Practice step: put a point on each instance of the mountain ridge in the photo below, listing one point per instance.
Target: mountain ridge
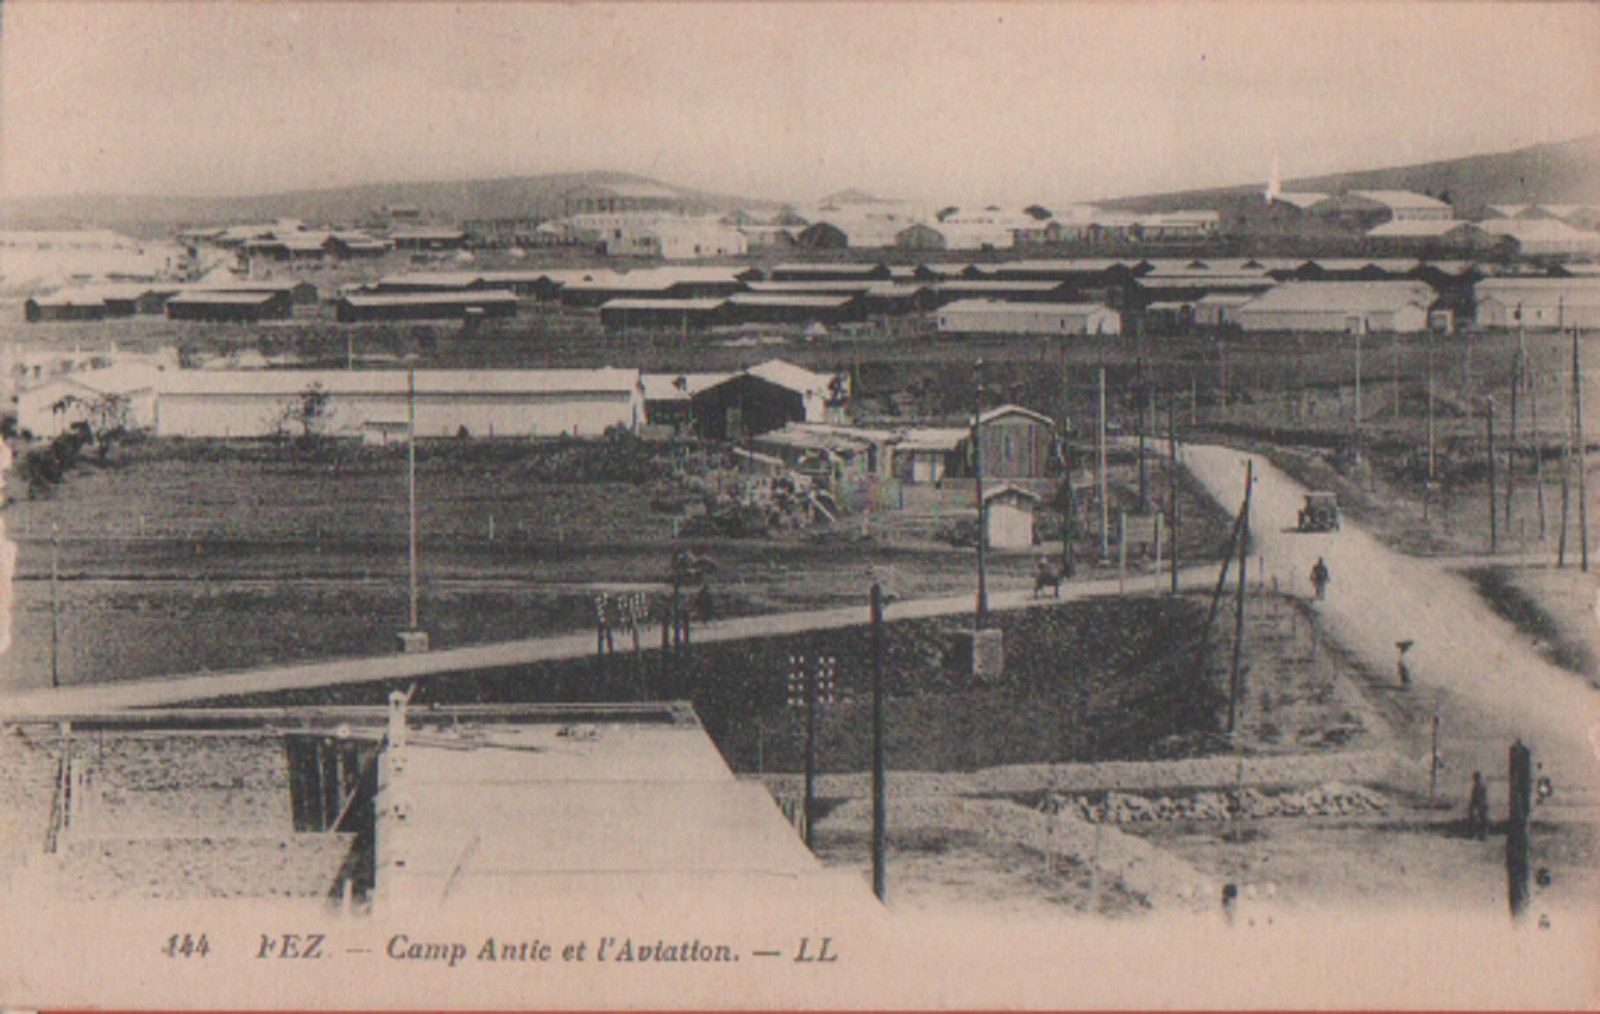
(1558, 172)
(441, 200)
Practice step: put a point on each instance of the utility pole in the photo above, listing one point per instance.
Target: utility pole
(55, 606)
(1517, 827)
(1142, 395)
(411, 483)
(809, 667)
(1396, 378)
(1105, 507)
(1511, 440)
(1566, 488)
(1358, 387)
(983, 513)
(1238, 613)
(1069, 518)
(1433, 763)
(1531, 379)
(1494, 531)
(1583, 456)
(1430, 407)
(1172, 482)
(879, 804)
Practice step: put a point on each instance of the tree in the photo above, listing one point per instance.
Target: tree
(105, 417)
(310, 411)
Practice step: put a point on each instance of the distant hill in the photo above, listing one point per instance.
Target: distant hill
(444, 201)
(1565, 172)
(851, 195)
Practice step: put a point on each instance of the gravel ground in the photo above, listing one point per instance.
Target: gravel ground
(1356, 767)
(1147, 876)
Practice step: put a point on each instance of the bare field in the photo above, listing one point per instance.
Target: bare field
(175, 557)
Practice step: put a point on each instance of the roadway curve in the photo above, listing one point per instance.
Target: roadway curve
(1378, 597)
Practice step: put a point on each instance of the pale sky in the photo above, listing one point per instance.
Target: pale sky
(990, 102)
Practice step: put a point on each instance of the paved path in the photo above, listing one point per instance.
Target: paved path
(1379, 597)
(149, 693)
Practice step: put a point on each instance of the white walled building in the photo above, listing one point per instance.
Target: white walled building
(484, 403)
(1538, 303)
(53, 406)
(988, 316)
(684, 239)
(1339, 307)
(815, 389)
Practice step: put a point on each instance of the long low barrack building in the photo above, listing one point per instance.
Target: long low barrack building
(685, 314)
(373, 404)
(225, 307)
(451, 305)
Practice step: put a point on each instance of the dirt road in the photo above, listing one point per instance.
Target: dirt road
(115, 695)
(1379, 597)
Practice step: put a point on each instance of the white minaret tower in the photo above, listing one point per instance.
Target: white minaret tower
(1274, 183)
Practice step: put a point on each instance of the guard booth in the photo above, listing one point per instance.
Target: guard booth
(1009, 517)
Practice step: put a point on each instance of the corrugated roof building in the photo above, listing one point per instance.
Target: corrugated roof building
(1339, 307)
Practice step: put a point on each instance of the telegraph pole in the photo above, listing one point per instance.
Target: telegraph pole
(1358, 387)
(1396, 378)
(411, 484)
(809, 667)
(983, 513)
(1566, 488)
(1430, 407)
(1531, 379)
(1238, 612)
(1172, 482)
(1520, 805)
(55, 607)
(1069, 518)
(1142, 393)
(1511, 441)
(1494, 531)
(879, 804)
(1105, 509)
(1583, 456)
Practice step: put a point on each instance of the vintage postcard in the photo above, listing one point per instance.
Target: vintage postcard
(844, 506)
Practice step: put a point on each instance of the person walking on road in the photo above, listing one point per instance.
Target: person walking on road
(1320, 578)
(1478, 808)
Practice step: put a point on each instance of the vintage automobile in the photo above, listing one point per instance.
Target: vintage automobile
(1320, 514)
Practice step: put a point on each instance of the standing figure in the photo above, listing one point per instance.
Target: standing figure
(1478, 808)
(1320, 578)
(704, 605)
(1401, 667)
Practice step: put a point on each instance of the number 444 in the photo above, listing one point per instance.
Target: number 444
(186, 945)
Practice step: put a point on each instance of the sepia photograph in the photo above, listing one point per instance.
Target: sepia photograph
(799, 506)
